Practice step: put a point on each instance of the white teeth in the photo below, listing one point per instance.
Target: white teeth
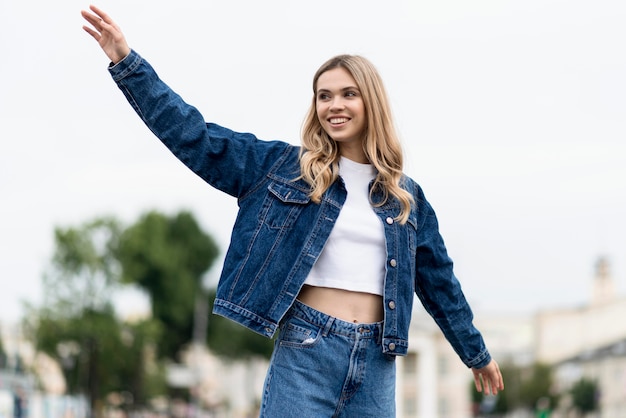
(338, 120)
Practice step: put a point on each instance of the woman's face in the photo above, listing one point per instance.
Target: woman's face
(341, 112)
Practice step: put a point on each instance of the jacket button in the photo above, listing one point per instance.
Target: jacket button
(393, 262)
(389, 220)
(268, 330)
(392, 304)
(392, 346)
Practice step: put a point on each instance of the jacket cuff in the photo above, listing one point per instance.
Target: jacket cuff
(480, 361)
(126, 66)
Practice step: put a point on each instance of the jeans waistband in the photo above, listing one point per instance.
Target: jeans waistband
(334, 325)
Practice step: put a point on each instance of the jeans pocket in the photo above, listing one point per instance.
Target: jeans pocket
(299, 333)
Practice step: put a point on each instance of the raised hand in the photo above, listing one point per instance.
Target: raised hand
(108, 35)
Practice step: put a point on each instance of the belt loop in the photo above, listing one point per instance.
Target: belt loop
(379, 328)
(328, 325)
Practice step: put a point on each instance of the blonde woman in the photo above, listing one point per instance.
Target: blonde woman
(331, 241)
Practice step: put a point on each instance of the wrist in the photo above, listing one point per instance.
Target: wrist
(120, 55)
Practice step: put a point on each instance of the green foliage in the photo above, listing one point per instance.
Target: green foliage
(83, 268)
(168, 257)
(99, 354)
(77, 325)
(584, 395)
(509, 399)
(537, 384)
(3, 355)
(96, 351)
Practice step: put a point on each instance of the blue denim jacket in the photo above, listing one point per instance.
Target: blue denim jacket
(279, 233)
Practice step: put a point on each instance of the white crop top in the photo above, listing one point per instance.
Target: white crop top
(354, 255)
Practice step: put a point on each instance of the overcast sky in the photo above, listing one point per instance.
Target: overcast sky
(512, 116)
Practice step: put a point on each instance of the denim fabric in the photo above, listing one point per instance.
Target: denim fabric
(326, 367)
(279, 233)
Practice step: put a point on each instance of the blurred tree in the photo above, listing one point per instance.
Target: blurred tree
(3, 355)
(83, 270)
(537, 384)
(99, 354)
(585, 395)
(77, 324)
(167, 257)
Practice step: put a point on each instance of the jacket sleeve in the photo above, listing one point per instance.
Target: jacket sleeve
(230, 161)
(440, 291)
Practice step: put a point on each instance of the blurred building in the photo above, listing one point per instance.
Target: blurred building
(587, 341)
(226, 388)
(565, 333)
(431, 379)
(604, 365)
(19, 355)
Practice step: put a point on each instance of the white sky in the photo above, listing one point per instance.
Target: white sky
(512, 115)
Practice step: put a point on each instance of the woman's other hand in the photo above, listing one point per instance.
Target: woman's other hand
(489, 379)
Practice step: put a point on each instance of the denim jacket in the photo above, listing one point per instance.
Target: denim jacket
(279, 232)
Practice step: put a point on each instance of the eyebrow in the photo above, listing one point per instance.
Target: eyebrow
(343, 89)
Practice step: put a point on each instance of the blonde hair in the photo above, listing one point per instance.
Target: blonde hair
(319, 155)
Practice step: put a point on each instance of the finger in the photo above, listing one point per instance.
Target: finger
(497, 384)
(92, 32)
(93, 20)
(105, 17)
(487, 387)
(107, 27)
(477, 382)
(492, 388)
(497, 380)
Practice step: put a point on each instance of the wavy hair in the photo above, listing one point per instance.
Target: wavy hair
(319, 155)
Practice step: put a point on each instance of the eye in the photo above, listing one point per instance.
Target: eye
(351, 93)
(323, 96)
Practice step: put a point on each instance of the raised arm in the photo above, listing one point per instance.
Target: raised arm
(108, 35)
(229, 161)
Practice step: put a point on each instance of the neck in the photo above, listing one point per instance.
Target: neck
(355, 154)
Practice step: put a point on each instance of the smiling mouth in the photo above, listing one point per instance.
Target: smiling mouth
(338, 121)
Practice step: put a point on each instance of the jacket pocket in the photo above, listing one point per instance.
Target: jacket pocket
(282, 205)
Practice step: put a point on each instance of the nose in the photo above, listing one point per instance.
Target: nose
(337, 103)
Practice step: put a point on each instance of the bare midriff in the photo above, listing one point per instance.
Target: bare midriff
(356, 307)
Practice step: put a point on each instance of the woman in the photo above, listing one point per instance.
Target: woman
(330, 243)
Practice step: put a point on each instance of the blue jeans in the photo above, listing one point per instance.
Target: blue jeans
(324, 367)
